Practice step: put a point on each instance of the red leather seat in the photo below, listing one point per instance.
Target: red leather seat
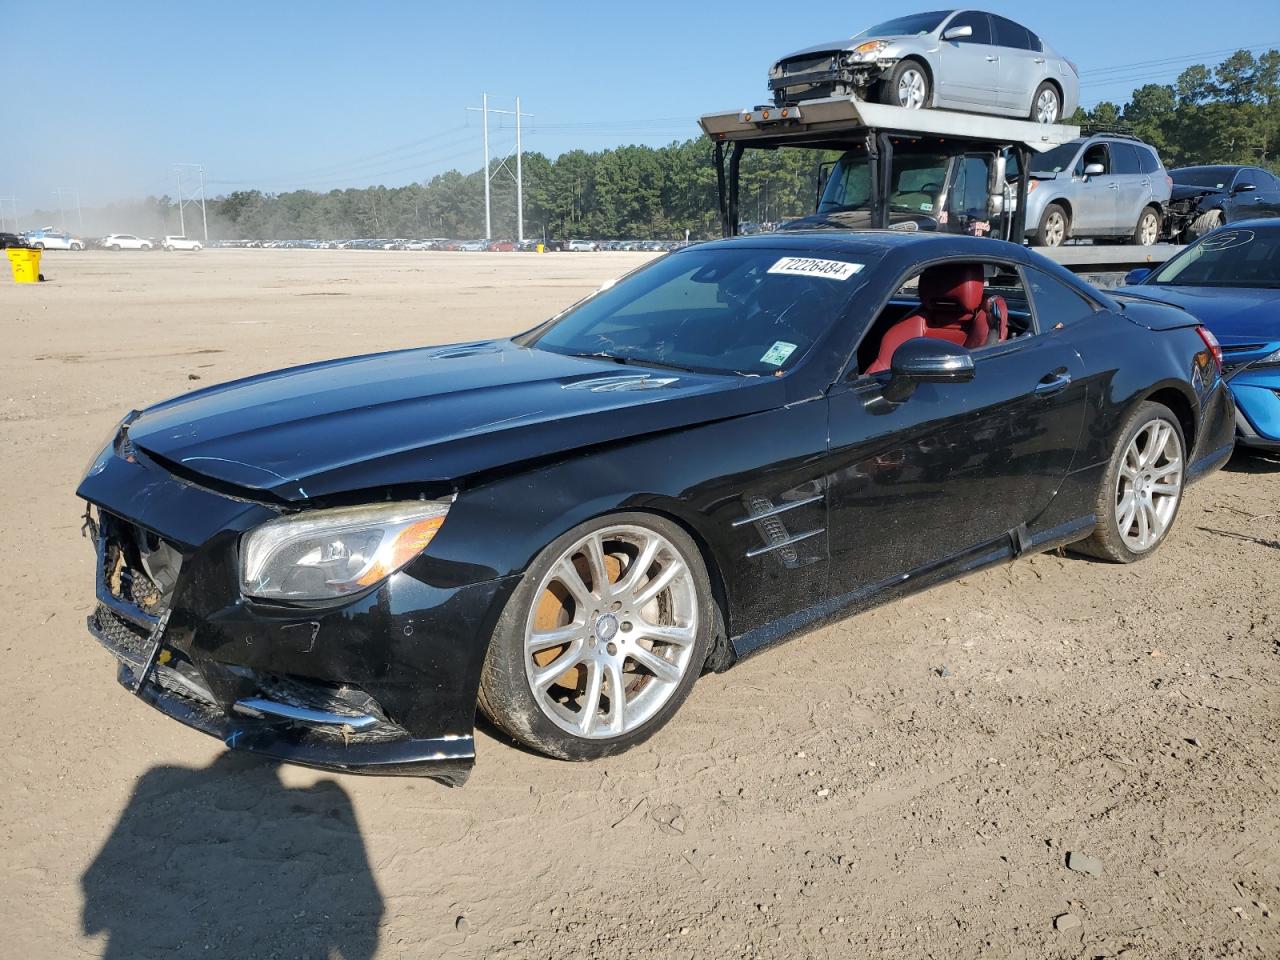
(951, 308)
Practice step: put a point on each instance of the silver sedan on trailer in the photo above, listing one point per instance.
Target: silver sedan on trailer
(957, 59)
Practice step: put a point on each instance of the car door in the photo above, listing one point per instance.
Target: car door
(1133, 187)
(1093, 205)
(1020, 67)
(970, 66)
(956, 466)
(1242, 203)
(1268, 194)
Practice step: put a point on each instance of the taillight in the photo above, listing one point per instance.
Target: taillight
(1212, 343)
(1169, 181)
(1031, 186)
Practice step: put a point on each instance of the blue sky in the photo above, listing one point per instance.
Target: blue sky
(319, 94)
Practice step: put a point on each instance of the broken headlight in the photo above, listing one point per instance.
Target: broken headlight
(105, 451)
(324, 554)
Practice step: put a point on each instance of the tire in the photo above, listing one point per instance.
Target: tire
(1054, 228)
(1207, 222)
(76, 246)
(38, 245)
(554, 721)
(1147, 232)
(115, 246)
(146, 246)
(907, 86)
(1046, 104)
(1108, 540)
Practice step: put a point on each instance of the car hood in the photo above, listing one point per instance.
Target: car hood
(1233, 315)
(1187, 191)
(424, 416)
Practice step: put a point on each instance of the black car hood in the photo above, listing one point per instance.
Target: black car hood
(425, 415)
(1187, 191)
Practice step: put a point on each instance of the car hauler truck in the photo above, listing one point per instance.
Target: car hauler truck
(898, 168)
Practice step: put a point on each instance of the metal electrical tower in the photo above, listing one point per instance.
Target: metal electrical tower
(62, 210)
(518, 176)
(182, 204)
(13, 204)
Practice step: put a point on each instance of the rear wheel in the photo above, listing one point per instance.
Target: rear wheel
(115, 246)
(1055, 227)
(1147, 232)
(1205, 223)
(1046, 104)
(906, 86)
(1142, 488)
(76, 246)
(38, 245)
(603, 639)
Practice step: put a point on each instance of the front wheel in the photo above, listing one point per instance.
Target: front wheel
(1205, 223)
(1046, 104)
(1054, 228)
(76, 246)
(906, 86)
(1142, 488)
(603, 639)
(1147, 232)
(115, 246)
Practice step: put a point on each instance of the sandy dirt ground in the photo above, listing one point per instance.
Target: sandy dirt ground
(908, 783)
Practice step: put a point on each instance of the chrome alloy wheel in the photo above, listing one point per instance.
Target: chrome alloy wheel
(1149, 486)
(1047, 107)
(1055, 229)
(612, 632)
(1148, 228)
(911, 87)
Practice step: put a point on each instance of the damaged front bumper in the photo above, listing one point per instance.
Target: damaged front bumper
(382, 683)
(833, 78)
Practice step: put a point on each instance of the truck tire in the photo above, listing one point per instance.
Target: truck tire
(1147, 232)
(1054, 227)
(1205, 223)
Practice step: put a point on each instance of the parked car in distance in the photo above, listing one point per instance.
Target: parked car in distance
(1105, 186)
(472, 246)
(956, 59)
(53, 240)
(125, 241)
(1204, 198)
(181, 243)
(8, 240)
(500, 246)
(582, 246)
(336, 564)
(1230, 281)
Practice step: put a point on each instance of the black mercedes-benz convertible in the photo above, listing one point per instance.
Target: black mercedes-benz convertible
(336, 564)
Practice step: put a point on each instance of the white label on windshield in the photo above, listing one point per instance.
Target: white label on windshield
(809, 267)
(777, 355)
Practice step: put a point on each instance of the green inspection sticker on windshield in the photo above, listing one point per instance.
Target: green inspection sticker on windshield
(777, 355)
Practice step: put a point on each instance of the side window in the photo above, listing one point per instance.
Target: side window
(1267, 182)
(978, 21)
(1010, 34)
(1055, 303)
(1034, 43)
(1243, 178)
(974, 304)
(1124, 159)
(1095, 153)
(1150, 162)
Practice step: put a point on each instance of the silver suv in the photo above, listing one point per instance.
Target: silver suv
(1108, 185)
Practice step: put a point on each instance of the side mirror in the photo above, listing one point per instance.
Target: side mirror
(925, 360)
(1245, 188)
(1094, 170)
(996, 187)
(1134, 277)
(958, 33)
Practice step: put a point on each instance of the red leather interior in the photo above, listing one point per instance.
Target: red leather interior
(951, 309)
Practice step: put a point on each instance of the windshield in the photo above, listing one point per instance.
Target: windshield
(1215, 178)
(745, 310)
(916, 183)
(909, 26)
(1056, 160)
(1227, 258)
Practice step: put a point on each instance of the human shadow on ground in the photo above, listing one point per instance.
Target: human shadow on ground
(226, 861)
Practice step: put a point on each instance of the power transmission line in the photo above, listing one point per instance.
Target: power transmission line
(484, 109)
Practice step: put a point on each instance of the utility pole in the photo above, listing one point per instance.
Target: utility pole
(204, 216)
(13, 202)
(62, 213)
(518, 176)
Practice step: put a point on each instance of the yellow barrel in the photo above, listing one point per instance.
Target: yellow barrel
(542, 248)
(25, 264)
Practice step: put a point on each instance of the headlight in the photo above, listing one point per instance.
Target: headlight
(867, 50)
(325, 554)
(1270, 360)
(105, 450)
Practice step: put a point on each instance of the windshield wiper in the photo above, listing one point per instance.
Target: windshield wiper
(626, 361)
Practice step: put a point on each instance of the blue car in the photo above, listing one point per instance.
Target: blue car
(1230, 280)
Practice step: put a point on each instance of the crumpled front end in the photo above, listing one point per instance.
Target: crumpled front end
(381, 683)
(834, 73)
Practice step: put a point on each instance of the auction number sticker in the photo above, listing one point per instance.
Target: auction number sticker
(777, 355)
(810, 267)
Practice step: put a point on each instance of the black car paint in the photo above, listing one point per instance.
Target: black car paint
(883, 498)
(1188, 200)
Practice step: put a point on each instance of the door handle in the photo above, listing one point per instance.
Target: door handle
(992, 59)
(1115, 186)
(1039, 59)
(1052, 383)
